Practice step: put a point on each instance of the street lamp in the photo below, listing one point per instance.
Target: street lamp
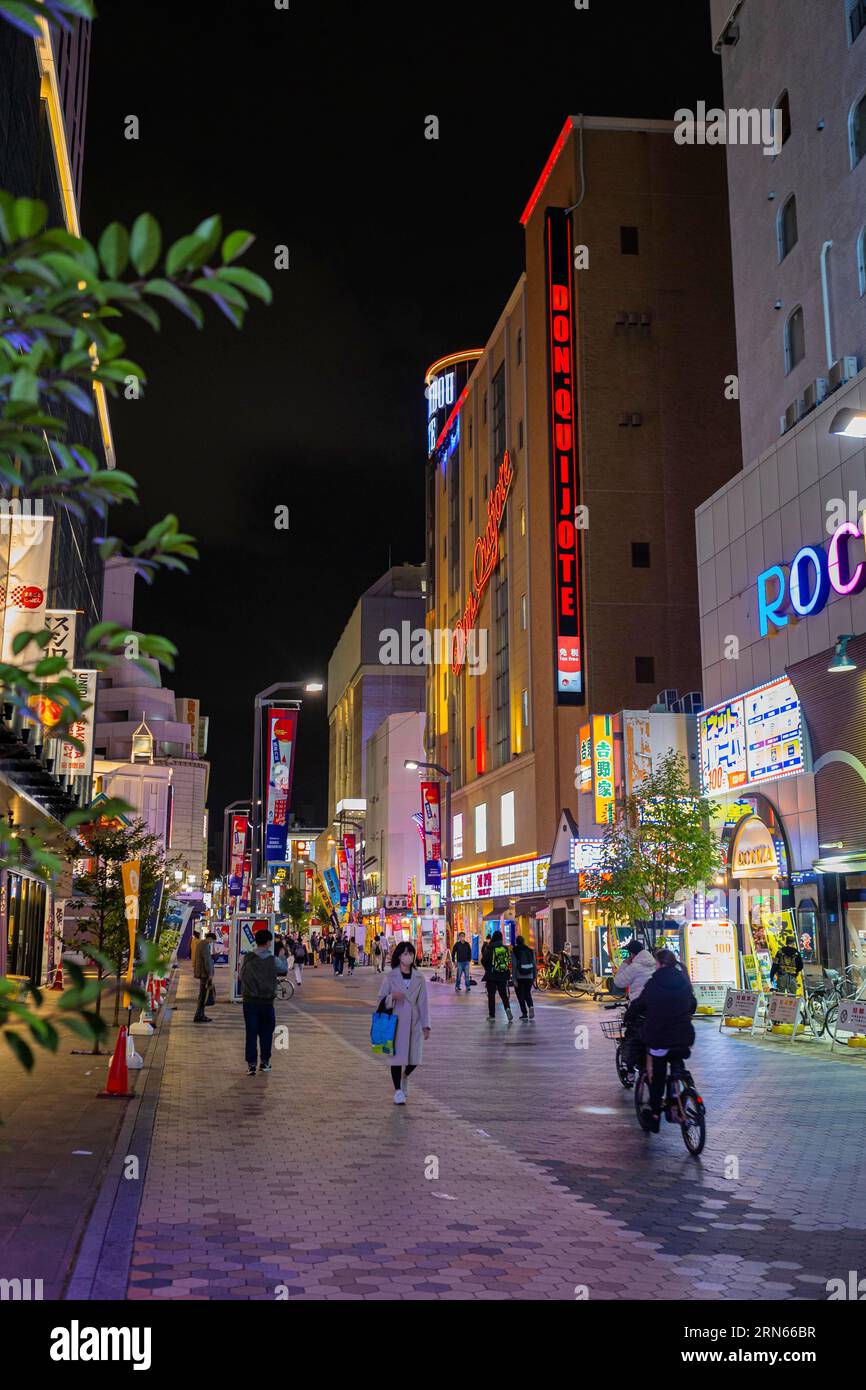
(413, 765)
(841, 661)
(263, 698)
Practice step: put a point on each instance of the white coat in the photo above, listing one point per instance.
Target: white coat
(409, 998)
(634, 974)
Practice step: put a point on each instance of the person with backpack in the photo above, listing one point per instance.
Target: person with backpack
(259, 990)
(523, 970)
(299, 957)
(787, 965)
(496, 962)
(338, 953)
(379, 953)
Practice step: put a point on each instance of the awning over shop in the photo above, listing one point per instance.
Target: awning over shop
(498, 907)
(531, 907)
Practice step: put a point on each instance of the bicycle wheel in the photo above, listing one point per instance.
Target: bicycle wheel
(816, 1014)
(290, 989)
(641, 1101)
(830, 1020)
(625, 1074)
(693, 1119)
(541, 980)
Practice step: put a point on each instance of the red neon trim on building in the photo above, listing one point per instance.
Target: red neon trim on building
(547, 170)
(452, 417)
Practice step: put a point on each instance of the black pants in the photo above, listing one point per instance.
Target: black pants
(497, 985)
(660, 1070)
(260, 1021)
(523, 990)
(338, 965)
(203, 987)
(397, 1074)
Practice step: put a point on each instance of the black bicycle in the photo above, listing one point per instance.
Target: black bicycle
(618, 1031)
(683, 1105)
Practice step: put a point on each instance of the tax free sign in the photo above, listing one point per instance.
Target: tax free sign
(805, 587)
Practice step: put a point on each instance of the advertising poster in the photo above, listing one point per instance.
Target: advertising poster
(237, 850)
(349, 846)
(72, 761)
(130, 874)
(602, 758)
(754, 737)
(25, 548)
(723, 747)
(431, 819)
(282, 731)
(343, 877)
(711, 954)
(583, 780)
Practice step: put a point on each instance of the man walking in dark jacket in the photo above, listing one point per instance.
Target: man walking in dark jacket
(203, 971)
(523, 971)
(259, 988)
(462, 955)
(666, 1004)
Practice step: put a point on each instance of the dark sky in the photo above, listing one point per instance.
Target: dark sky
(306, 126)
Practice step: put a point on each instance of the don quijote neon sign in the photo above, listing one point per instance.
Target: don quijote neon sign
(485, 558)
(813, 572)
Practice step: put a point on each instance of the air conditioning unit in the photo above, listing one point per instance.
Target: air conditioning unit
(667, 698)
(792, 415)
(645, 320)
(814, 393)
(621, 318)
(633, 319)
(842, 370)
(691, 703)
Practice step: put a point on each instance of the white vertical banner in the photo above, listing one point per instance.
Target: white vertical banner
(73, 763)
(61, 624)
(26, 551)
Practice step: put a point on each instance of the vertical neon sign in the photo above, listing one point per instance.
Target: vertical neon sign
(565, 477)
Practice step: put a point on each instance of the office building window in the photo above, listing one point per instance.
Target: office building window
(523, 612)
(795, 339)
(484, 408)
(628, 241)
(523, 521)
(640, 555)
(470, 434)
(857, 130)
(506, 818)
(786, 227)
(457, 837)
(856, 14)
(861, 260)
(783, 105)
(524, 704)
(499, 431)
(644, 670)
(480, 829)
(519, 346)
(470, 508)
(472, 743)
(520, 434)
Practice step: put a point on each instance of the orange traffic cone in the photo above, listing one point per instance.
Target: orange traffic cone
(58, 978)
(118, 1077)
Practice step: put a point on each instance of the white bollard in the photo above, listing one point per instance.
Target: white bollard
(134, 1060)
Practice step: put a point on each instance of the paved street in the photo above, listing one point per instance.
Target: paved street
(310, 1183)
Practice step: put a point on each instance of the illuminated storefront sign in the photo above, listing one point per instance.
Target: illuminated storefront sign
(811, 575)
(584, 759)
(501, 881)
(602, 760)
(754, 851)
(565, 481)
(755, 737)
(485, 558)
(441, 395)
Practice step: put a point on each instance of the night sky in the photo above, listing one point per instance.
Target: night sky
(307, 127)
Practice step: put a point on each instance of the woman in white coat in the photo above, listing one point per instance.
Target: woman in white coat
(404, 990)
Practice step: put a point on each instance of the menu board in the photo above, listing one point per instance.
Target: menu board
(711, 953)
(752, 738)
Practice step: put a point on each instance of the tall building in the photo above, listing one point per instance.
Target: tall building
(149, 745)
(780, 546)
(562, 486)
(43, 88)
(798, 217)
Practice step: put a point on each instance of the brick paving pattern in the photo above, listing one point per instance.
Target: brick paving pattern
(309, 1183)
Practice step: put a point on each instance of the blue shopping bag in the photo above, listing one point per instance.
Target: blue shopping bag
(383, 1031)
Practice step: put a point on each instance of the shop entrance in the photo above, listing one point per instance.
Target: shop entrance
(25, 926)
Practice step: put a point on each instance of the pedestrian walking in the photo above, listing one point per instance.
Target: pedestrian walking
(379, 953)
(495, 960)
(404, 990)
(259, 988)
(203, 972)
(338, 953)
(463, 960)
(300, 959)
(524, 969)
(353, 954)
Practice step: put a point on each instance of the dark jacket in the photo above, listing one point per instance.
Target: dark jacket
(486, 961)
(666, 1004)
(523, 963)
(203, 965)
(788, 961)
(461, 951)
(259, 978)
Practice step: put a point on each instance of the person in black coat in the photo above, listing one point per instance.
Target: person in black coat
(666, 1005)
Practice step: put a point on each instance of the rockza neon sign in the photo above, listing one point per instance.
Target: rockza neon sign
(485, 558)
(811, 575)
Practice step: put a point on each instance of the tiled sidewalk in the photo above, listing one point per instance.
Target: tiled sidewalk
(309, 1182)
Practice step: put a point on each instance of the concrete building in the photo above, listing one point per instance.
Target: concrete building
(394, 849)
(798, 218)
(565, 555)
(147, 742)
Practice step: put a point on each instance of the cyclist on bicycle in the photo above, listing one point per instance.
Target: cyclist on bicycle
(638, 966)
(666, 1005)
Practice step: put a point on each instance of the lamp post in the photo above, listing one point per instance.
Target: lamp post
(229, 811)
(263, 699)
(411, 765)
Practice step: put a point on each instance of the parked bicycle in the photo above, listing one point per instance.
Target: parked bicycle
(822, 1001)
(683, 1104)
